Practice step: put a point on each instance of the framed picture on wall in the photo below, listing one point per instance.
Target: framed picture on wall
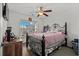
(5, 11)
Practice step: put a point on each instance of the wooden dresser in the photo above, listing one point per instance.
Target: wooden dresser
(13, 48)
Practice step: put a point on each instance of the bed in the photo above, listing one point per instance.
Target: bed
(46, 42)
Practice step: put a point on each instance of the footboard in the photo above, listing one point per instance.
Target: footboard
(36, 45)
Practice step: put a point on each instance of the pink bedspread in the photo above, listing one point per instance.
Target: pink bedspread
(50, 37)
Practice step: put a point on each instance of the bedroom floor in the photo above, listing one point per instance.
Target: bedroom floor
(63, 51)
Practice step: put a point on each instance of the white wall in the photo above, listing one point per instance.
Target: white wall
(3, 26)
(0, 32)
(61, 13)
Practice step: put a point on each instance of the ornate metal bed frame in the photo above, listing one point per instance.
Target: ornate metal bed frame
(43, 40)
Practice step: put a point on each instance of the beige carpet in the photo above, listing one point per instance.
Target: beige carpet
(63, 51)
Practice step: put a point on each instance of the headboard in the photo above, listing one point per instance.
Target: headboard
(57, 28)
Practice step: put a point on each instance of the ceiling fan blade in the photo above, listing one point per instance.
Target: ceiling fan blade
(48, 11)
(45, 14)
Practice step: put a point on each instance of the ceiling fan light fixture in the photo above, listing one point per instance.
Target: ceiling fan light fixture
(40, 13)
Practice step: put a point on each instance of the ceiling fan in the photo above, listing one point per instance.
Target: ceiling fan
(41, 12)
